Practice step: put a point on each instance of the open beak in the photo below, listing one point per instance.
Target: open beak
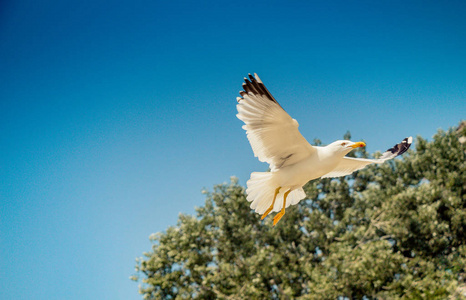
(358, 144)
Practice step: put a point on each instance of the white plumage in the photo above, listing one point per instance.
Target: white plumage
(275, 139)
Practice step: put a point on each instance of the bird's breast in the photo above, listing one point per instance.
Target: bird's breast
(299, 174)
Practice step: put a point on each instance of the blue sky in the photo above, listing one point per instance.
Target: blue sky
(114, 115)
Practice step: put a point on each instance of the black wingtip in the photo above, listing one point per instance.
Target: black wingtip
(252, 84)
(402, 147)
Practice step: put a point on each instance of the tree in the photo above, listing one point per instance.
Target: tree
(396, 230)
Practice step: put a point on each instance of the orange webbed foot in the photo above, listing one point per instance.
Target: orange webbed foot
(278, 217)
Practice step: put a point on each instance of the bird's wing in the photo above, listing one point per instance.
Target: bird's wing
(272, 133)
(349, 165)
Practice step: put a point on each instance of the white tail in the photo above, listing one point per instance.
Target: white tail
(261, 188)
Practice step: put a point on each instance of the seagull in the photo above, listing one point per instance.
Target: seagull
(276, 140)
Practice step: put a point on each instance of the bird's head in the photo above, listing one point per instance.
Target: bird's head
(344, 146)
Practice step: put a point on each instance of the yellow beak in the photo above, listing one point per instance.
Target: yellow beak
(358, 144)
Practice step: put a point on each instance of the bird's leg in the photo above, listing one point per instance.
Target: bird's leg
(273, 203)
(282, 212)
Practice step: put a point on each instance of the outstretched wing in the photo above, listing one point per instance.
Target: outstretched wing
(272, 133)
(349, 165)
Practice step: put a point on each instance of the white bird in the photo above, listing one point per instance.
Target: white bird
(275, 139)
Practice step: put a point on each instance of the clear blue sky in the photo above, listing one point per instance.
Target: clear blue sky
(114, 115)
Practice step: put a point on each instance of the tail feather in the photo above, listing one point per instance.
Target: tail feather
(295, 196)
(261, 189)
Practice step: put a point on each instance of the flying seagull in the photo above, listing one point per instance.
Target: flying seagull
(275, 139)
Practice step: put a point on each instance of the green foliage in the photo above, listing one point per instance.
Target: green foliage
(392, 231)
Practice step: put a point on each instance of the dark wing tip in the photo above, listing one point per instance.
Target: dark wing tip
(404, 145)
(254, 85)
(398, 149)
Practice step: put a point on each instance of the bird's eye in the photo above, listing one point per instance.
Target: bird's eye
(343, 144)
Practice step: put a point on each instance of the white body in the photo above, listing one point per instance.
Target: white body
(314, 166)
(262, 185)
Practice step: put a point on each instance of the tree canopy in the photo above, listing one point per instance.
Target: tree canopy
(396, 230)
